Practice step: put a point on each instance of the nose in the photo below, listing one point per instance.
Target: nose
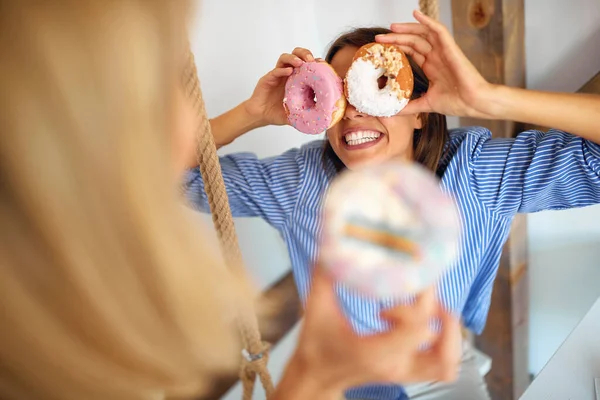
(353, 113)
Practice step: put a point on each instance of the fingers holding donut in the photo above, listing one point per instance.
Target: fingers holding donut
(265, 104)
(289, 60)
(414, 45)
(295, 59)
(303, 54)
(455, 85)
(266, 101)
(274, 77)
(415, 317)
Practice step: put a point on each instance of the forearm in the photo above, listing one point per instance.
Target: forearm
(229, 126)
(233, 124)
(299, 383)
(578, 114)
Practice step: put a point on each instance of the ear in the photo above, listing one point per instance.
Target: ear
(419, 121)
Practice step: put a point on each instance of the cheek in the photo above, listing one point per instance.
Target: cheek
(332, 135)
(400, 130)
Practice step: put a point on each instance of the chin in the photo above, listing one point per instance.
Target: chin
(363, 161)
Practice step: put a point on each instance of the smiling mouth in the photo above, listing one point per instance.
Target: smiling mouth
(357, 138)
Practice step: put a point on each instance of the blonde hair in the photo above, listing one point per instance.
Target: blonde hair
(106, 288)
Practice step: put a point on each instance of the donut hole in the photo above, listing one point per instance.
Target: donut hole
(309, 98)
(382, 81)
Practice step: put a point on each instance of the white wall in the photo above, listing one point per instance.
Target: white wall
(238, 41)
(563, 51)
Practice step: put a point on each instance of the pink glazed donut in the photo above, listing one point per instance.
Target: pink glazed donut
(314, 98)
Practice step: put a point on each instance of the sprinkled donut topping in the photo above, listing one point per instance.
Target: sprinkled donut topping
(314, 98)
(390, 60)
(372, 62)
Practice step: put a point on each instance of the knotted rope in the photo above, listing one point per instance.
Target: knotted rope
(431, 8)
(256, 352)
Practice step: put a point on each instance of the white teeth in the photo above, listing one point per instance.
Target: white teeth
(360, 137)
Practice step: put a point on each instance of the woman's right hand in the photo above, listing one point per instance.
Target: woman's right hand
(266, 102)
(456, 87)
(331, 357)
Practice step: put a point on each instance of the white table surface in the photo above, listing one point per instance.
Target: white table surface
(570, 373)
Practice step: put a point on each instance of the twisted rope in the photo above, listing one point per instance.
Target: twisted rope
(210, 168)
(431, 8)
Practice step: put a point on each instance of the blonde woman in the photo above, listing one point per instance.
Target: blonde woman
(106, 288)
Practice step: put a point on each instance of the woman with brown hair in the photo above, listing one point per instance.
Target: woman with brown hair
(491, 179)
(108, 289)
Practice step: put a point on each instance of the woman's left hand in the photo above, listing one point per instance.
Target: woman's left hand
(455, 85)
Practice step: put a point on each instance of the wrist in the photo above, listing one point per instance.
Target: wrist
(491, 102)
(252, 118)
(233, 124)
(302, 380)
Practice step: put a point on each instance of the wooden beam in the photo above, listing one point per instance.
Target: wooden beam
(285, 311)
(491, 33)
(592, 86)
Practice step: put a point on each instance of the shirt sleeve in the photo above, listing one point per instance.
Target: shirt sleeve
(266, 188)
(535, 171)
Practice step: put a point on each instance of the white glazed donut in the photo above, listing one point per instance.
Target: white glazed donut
(389, 231)
(361, 86)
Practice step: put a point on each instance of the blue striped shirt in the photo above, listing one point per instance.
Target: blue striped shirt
(490, 179)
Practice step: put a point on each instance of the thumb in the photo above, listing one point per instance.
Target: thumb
(322, 291)
(417, 106)
(275, 76)
(450, 337)
(322, 303)
(441, 362)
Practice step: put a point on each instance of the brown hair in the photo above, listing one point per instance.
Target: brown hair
(429, 141)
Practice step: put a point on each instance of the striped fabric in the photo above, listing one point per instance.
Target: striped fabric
(490, 179)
